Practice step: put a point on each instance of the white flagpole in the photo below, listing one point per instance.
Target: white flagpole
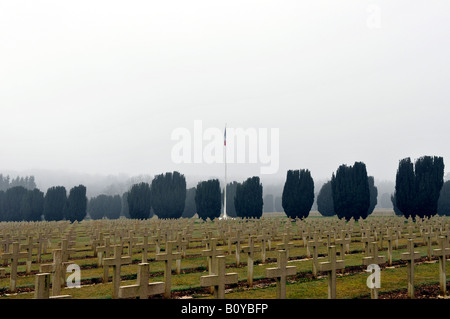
(225, 190)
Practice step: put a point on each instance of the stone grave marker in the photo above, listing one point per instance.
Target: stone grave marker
(374, 259)
(331, 266)
(219, 279)
(116, 262)
(250, 251)
(410, 257)
(442, 252)
(281, 272)
(14, 256)
(143, 288)
(57, 270)
(315, 243)
(168, 257)
(42, 288)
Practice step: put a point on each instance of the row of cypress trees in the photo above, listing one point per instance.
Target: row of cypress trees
(351, 193)
(165, 197)
(21, 204)
(419, 190)
(243, 199)
(18, 203)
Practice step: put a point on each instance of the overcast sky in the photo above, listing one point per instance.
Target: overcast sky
(99, 86)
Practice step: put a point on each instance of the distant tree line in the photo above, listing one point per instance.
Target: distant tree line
(105, 206)
(420, 191)
(20, 204)
(27, 182)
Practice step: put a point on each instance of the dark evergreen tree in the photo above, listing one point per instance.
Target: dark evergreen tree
(2, 206)
(248, 200)
(169, 195)
(373, 195)
(139, 201)
(443, 207)
(405, 188)
(54, 203)
(208, 199)
(268, 204)
(97, 207)
(351, 194)
(325, 200)
(76, 204)
(298, 193)
(114, 207)
(417, 187)
(429, 172)
(16, 204)
(36, 200)
(190, 208)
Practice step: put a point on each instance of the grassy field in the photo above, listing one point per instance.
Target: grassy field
(350, 284)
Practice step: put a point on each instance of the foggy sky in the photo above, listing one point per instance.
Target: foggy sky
(99, 86)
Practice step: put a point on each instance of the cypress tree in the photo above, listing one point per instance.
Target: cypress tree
(16, 203)
(248, 200)
(2, 205)
(405, 188)
(76, 204)
(298, 193)
(429, 172)
(114, 207)
(96, 207)
(418, 186)
(139, 200)
(208, 199)
(36, 198)
(351, 195)
(54, 203)
(190, 208)
(169, 195)
(325, 200)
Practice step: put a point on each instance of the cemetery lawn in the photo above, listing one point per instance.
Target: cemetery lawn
(351, 284)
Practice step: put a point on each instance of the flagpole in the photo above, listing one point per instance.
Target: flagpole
(225, 190)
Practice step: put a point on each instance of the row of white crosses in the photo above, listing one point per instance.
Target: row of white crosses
(25, 252)
(248, 250)
(217, 278)
(118, 261)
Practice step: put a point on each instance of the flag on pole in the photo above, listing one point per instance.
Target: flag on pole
(225, 137)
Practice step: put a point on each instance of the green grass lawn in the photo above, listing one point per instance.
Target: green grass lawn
(193, 267)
